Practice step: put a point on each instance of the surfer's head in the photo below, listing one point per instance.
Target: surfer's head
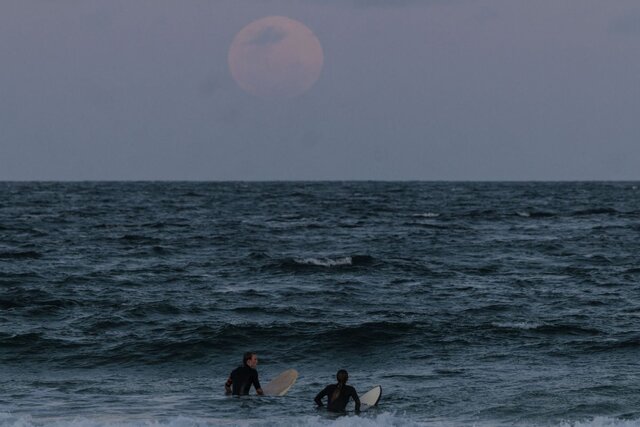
(342, 376)
(250, 359)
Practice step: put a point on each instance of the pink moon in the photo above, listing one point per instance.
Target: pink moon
(275, 57)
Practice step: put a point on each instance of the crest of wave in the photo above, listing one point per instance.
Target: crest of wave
(427, 215)
(326, 262)
(517, 325)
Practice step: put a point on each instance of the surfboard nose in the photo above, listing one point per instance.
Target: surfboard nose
(280, 385)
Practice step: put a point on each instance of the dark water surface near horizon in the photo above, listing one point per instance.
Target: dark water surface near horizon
(470, 303)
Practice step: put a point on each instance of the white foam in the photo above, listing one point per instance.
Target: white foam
(366, 420)
(602, 422)
(325, 262)
(427, 215)
(380, 420)
(517, 325)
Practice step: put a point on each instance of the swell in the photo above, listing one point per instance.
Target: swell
(495, 214)
(34, 301)
(184, 341)
(19, 255)
(311, 264)
(144, 338)
(559, 329)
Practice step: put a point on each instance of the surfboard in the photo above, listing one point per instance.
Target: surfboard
(280, 385)
(370, 398)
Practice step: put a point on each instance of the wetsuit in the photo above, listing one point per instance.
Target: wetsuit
(241, 378)
(341, 401)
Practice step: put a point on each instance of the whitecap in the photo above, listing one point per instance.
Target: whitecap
(427, 215)
(517, 325)
(325, 262)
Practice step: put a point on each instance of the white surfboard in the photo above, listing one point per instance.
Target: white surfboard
(280, 385)
(370, 398)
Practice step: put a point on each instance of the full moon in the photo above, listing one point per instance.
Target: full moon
(275, 57)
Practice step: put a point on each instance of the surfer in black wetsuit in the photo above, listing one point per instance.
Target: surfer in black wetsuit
(339, 394)
(244, 376)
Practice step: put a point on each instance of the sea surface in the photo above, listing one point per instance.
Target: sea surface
(487, 304)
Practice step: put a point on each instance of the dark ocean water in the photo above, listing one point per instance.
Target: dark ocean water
(470, 303)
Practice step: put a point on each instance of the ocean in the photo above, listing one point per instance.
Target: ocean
(470, 303)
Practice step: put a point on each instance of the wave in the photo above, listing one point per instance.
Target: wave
(384, 419)
(154, 308)
(134, 238)
(160, 250)
(577, 213)
(567, 329)
(302, 264)
(489, 308)
(517, 325)
(631, 344)
(20, 255)
(161, 225)
(193, 194)
(548, 329)
(32, 343)
(426, 215)
(314, 334)
(602, 422)
(325, 262)
(428, 224)
(371, 333)
(17, 340)
(21, 228)
(36, 301)
(122, 342)
(599, 259)
(482, 214)
(536, 214)
(595, 211)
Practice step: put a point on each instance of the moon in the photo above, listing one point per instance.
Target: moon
(275, 57)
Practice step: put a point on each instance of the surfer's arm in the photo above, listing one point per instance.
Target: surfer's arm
(256, 385)
(318, 398)
(227, 386)
(356, 399)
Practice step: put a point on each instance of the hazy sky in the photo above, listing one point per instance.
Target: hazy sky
(421, 89)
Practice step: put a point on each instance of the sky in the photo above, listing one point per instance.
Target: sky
(409, 90)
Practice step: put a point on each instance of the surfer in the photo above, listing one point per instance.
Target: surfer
(244, 376)
(338, 394)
